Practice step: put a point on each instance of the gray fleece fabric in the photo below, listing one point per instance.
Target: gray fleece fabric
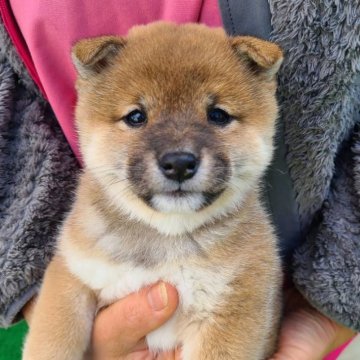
(37, 179)
(8, 54)
(327, 267)
(318, 89)
(319, 94)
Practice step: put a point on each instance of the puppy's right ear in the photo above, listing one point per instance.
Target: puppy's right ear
(91, 56)
(263, 57)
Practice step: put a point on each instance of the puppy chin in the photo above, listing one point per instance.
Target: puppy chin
(186, 203)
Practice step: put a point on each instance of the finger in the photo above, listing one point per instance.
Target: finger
(292, 354)
(139, 355)
(128, 320)
(140, 346)
(167, 355)
(178, 354)
(305, 335)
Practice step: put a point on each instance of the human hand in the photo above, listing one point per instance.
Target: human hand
(120, 329)
(306, 334)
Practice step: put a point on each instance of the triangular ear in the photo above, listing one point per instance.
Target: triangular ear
(90, 56)
(263, 57)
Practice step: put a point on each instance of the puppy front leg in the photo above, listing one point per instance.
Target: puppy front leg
(61, 325)
(244, 327)
(214, 341)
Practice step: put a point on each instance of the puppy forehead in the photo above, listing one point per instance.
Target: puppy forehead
(171, 40)
(178, 50)
(178, 62)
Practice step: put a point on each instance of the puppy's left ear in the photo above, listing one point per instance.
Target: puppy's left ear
(91, 56)
(261, 56)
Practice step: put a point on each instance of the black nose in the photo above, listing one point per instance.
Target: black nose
(179, 166)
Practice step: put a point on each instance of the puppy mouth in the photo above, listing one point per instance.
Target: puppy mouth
(180, 200)
(178, 193)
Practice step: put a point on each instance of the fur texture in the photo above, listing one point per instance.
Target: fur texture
(320, 263)
(213, 97)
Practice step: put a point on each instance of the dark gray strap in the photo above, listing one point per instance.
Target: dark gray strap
(246, 17)
(280, 198)
(253, 17)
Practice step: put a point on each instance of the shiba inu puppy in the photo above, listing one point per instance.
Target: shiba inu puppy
(176, 128)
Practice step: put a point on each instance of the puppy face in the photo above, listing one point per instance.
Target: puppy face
(176, 122)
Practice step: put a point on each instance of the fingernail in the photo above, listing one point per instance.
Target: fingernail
(157, 297)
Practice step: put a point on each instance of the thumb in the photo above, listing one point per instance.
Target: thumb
(128, 320)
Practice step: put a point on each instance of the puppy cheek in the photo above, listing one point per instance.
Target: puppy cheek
(212, 174)
(221, 172)
(105, 156)
(95, 151)
(251, 160)
(143, 173)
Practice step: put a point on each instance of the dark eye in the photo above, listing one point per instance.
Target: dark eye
(219, 117)
(136, 118)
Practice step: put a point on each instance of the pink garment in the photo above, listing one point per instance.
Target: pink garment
(50, 28)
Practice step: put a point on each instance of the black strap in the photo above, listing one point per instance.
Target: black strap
(253, 17)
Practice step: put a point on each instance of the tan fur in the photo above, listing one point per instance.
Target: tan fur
(226, 249)
(67, 316)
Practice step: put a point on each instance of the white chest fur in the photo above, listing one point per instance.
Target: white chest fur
(200, 289)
